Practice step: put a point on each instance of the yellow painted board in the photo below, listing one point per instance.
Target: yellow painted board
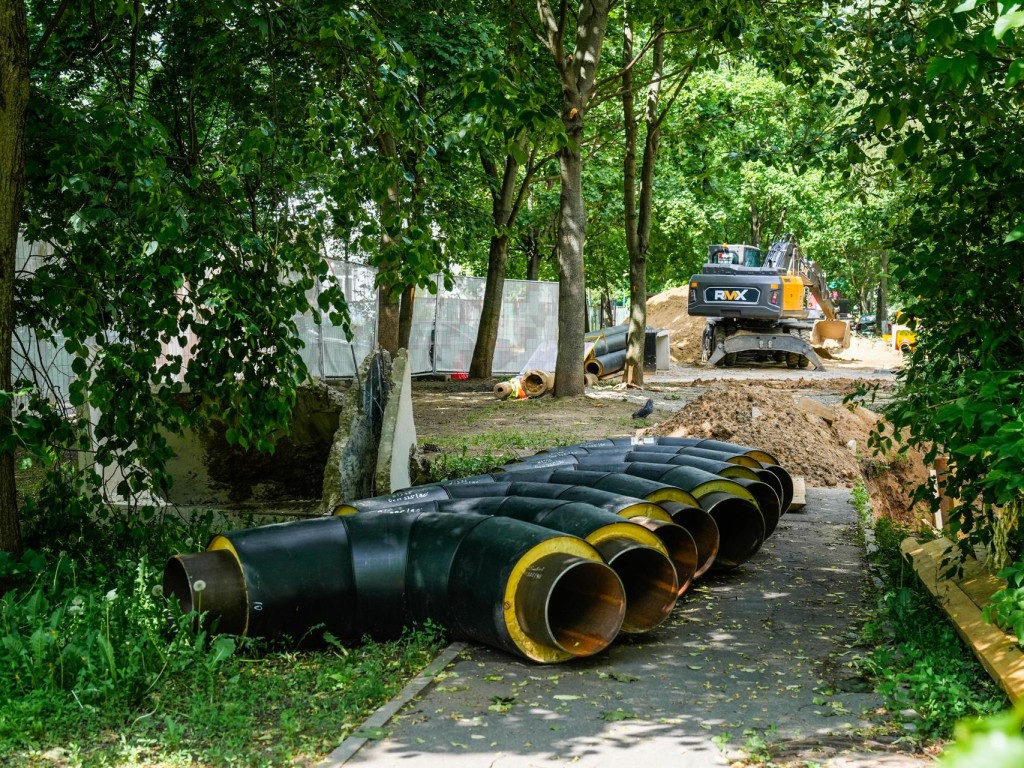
(996, 650)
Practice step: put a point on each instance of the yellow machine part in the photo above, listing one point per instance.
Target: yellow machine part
(793, 299)
(836, 330)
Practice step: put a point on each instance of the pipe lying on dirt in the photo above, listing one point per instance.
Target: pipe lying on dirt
(607, 364)
(536, 383)
(606, 340)
(503, 582)
(640, 558)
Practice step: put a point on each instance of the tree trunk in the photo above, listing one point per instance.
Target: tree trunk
(388, 317)
(755, 223)
(405, 316)
(639, 212)
(531, 244)
(577, 72)
(571, 302)
(14, 92)
(882, 304)
(506, 203)
(490, 317)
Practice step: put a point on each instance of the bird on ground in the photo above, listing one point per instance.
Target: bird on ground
(646, 411)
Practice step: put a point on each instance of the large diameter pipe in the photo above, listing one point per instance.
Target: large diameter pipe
(606, 364)
(516, 586)
(711, 449)
(636, 554)
(741, 526)
(699, 525)
(702, 529)
(619, 504)
(615, 482)
(741, 529)
(607, 340)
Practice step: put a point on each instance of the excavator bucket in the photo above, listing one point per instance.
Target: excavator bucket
(834, 330)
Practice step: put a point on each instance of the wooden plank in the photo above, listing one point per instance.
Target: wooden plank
(799, 494)
(996, 650)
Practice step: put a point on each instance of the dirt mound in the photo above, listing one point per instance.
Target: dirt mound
(667, 310)
(826, 445)
(761, 417)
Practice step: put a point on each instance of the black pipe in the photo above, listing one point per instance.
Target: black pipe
(513, 585)
(702, 528)
(711, 449)
(606, 364)
(636, 554)
(738, 523)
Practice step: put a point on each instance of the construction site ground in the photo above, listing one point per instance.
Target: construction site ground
(753, 665)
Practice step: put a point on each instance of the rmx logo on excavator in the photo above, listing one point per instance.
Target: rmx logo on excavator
(744, 295)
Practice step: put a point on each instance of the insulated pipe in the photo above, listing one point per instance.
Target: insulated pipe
(741, 527)
(503, 582)
(678, 542)
(738, 523)
(702, 528)
(606, 364)
(712, 449)
(635, 553)
(699, 524)
(607, 340)
(618, 504)
(615, 482)
(681, 545)
(537, 382)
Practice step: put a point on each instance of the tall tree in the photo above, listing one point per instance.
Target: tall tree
(577, 73)
(14, 95)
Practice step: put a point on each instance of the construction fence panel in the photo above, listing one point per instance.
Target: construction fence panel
(527, 331)
(328, 354)
(421, 336)
(41, 362)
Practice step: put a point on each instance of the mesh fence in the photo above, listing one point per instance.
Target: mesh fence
(44, 363)
(327, 353)
(443, 335)
(445, 327)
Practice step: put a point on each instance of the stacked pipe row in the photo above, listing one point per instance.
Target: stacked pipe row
(549, 558)
(605, 350)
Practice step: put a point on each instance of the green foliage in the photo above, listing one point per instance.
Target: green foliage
(97, 664)
(1007, 607)
(939, 82)
(995, 742)
(918, 661)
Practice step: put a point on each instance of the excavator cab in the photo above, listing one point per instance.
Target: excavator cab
(726, 255)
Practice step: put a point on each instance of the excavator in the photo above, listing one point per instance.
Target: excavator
(760, 308)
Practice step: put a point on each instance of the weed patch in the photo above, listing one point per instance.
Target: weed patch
(918, 663)
(99, 669)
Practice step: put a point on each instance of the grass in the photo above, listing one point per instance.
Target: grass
(100, 671)
(918, 662)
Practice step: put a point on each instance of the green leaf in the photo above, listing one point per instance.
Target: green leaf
(1016, 234)
(967, 5)
(1006, 22)
(1015, 73)
(882, 118)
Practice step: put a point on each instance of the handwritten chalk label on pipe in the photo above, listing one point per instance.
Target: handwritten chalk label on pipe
(257, 606)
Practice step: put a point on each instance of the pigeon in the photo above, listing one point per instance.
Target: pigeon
(646, 411)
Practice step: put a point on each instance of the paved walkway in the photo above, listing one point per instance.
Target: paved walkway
(755, 657)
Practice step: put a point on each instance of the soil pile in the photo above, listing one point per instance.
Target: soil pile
(667, 310)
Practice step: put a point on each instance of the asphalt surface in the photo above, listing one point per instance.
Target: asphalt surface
(751, 664)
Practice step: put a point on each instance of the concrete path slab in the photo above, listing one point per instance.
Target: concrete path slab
(752, 658)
